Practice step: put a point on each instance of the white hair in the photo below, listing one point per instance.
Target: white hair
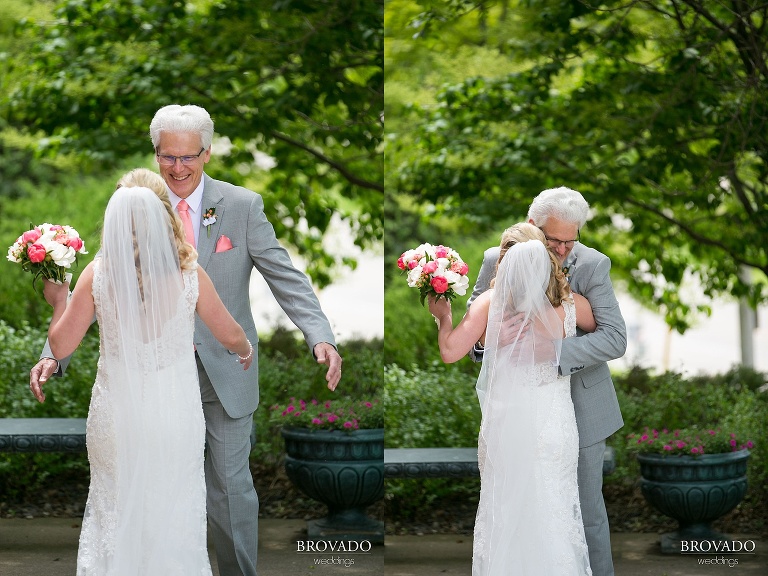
(561, 203)
(176, 118)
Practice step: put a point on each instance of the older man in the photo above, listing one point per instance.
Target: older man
(227, 225)
(561, 213)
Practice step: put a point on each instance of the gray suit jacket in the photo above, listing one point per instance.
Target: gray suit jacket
(585, 357)
(240, 216)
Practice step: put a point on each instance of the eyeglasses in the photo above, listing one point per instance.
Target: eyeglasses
(166, 160)
(554, 242)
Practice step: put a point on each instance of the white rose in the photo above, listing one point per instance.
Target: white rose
(47, 236)
(458, 282)
(427, 249)
(13, 253)
(60, 254)
(413, 276)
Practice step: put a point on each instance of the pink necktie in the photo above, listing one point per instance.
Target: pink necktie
(183, 209)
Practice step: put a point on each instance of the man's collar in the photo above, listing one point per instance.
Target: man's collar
(194, 200)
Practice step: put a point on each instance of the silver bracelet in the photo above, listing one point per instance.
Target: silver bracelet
(250, 352)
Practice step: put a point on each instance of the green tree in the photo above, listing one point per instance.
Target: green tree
(298, 84)
(654, 110)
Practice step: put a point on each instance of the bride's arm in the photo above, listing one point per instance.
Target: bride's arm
(220, 322)
(72, 318)
(455, 343)
(584, 317)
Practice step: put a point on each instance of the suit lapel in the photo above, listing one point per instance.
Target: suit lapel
(570, 263)
(206, 243)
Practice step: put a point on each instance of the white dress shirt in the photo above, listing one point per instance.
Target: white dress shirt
(194, 201)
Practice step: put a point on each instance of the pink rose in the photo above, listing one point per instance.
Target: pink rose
(412, 264)
(31, 236)
(460, 268)
(76, 244)
(36, 253)
(441, 251)
(401, 263)
(440, 284)
(430, 267)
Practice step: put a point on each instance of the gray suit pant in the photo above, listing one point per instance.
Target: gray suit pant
(232, 504)
(596, 530)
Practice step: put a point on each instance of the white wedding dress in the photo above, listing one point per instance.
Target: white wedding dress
(145, 514)
(529, 519)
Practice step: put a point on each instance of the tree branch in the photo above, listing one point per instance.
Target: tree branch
(694, 235)
(340, 168)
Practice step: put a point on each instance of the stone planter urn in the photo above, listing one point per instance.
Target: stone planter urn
(345, 471)
(694, 490)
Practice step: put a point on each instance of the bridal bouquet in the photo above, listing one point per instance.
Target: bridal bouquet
(47, 250)
(435, 270)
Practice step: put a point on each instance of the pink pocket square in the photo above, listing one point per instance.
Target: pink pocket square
(223, 244)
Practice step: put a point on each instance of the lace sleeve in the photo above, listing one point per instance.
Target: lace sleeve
(570, 317)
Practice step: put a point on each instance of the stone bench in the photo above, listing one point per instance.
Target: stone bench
(42, 434)
(447, 462)
(50, 435)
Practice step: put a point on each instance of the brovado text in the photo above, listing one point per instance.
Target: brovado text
(717, 546)
(324, 546)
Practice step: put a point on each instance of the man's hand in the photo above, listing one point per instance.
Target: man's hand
(328, 355)
(39, 374)
(513, 328)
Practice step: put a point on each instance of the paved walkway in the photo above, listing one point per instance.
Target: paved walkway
(48, 547)
(633, 555)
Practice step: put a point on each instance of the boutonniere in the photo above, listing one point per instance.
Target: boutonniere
(567, 272)
(209, 218)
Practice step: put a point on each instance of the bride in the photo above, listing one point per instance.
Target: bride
(529, 519)
(145, 430)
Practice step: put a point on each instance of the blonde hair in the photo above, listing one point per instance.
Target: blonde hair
(153, 181)
(558, 288)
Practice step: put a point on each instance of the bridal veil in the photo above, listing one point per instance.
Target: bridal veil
(519, 356)
(146, 429)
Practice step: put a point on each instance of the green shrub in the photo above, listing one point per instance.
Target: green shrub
(432, 407)
(66, 397)
(435, 406)
(287, 369)
(731, 401)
